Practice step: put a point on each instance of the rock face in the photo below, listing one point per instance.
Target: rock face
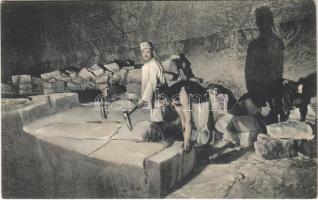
(291, 129)
(249, 176)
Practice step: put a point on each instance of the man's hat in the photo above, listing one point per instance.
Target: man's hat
(145, 45)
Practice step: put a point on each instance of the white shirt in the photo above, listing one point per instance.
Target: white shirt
(152, 74)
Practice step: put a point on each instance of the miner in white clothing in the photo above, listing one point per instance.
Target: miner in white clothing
(152, 79)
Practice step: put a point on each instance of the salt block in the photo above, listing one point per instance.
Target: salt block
(102, 78)
(113, 67)
(134, 88)
(16, 79)
(245, 123)
(58, 86)
(269, 148)
(247, 139)
(290, 129)
(96, 70)
(63, 101)
(86, 75)
(36, 81)
(73, 86)
(168, 168)
(25, 79)
(25, 86)
(51, 75)
(134, 76)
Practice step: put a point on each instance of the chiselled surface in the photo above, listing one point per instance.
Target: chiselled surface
(251, 177)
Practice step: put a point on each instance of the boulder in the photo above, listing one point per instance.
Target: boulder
(73, 86)
(86, 75)
(88, 85)
(51, 75)
(270, 148)
(72, 74)
(113, 67)
(290, 129)
(120, 77)
(102, 79)
(134, 76)
(65, 78)
(96, 70)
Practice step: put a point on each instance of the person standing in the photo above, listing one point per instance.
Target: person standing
(264, 66)
(152, 79)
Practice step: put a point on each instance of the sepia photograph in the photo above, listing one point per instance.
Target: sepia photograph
(159, 99)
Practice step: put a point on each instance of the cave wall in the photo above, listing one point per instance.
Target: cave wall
(43, 36)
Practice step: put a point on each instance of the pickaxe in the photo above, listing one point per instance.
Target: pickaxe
(126, 115)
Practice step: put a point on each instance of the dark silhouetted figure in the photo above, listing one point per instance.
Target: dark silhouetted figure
(264, 66)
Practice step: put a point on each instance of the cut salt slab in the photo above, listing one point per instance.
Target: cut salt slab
(51, 75)
(290, 129)
(16, 79)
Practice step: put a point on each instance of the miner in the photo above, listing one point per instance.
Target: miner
(153, 80)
